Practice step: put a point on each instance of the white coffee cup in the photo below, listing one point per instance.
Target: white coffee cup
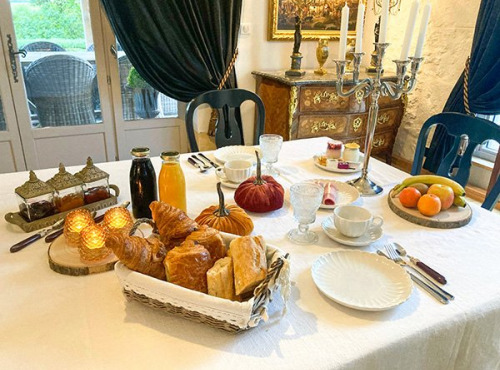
(235, 171)
(354, 221)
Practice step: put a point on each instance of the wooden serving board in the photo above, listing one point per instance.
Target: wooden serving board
(65, 259)
(452, 218)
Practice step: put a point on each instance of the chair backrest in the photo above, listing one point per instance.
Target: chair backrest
(228, 130)
(42, 46)
(60, 86)
(477, 130)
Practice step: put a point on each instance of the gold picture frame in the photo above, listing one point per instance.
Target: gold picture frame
(320, 19)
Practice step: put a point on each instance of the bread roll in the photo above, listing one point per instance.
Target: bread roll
(249, 262)
(220, 279)
(211, 239)
(187, 266)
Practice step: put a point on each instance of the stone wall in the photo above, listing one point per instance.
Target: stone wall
(447, 46)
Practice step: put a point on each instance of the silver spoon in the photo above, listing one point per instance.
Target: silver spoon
(197, 165)
(429, 271)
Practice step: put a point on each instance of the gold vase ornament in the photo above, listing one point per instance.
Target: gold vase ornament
(322, 55)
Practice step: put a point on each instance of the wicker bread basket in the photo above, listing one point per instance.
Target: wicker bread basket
(216, 312)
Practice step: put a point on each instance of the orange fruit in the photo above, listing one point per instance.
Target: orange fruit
(429, 205)
(409, 197)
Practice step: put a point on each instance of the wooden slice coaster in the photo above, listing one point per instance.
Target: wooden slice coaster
(452, 218)
(65, 259)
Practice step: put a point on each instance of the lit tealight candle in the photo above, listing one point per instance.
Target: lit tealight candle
(118, 218)
(92, 245)
(75, 222)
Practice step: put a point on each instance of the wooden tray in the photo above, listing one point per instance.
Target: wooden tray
(66, 260)
(17, 219)
(452, 218)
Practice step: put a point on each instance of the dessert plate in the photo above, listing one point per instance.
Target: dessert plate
(373, 234)
(346, 193)
(361, 280)
(234, 152)
(356, 166)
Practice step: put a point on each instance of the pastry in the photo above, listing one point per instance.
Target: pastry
(187, 266)
(249, 262)
(144, 255)
(211, 239)
(220, 279)
(172, 223)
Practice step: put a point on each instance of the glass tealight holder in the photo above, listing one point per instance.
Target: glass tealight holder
(75, 222)
(35, 199)
(92, 246)
(95, 183)
(69, 190)
(118, 219)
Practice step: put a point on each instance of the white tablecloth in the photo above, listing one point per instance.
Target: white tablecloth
(49, 321)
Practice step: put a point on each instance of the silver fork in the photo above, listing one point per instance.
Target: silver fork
(197, 165)
(198, 160)
(437, 292)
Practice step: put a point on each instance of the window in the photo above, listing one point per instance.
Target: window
(490, 148)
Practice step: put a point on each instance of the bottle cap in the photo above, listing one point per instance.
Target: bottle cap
(140, 152)
(169, 156)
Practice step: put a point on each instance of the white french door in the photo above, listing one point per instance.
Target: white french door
(64, 105)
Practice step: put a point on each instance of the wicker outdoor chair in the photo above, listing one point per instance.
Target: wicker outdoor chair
(42, 46)
(3, 126)
(128, 107)
(61, 88)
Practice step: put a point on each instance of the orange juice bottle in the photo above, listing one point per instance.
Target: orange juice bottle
(171, 182)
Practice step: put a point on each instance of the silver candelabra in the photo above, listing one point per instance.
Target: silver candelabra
(375, 87)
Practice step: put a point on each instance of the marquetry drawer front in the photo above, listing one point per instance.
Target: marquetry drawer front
(386, 101)
(381, 141)
(388, 117)
(321, 99)
(357, 124)
(313, 126)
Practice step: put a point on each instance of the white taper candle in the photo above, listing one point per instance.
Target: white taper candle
(410, 27)
(344, 24)
(383, 22)
(423, 29)
(359, 28)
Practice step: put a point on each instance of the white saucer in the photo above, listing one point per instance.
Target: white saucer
(346, 194)
(371, 236)
(225, 182)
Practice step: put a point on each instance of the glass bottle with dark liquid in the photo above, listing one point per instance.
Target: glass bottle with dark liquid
(142, 183)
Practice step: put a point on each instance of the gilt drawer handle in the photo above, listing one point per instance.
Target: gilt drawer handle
(323, 125)
(356, 124)
(379, 142)
(325, 95)
(384, 118)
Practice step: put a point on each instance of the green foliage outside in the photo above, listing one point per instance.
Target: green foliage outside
(58, 21)
(135, 81)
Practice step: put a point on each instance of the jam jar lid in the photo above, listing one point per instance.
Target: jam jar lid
(91, 173)
(63, 179)
(33, 188)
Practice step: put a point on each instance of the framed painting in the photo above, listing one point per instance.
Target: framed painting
(320, 18)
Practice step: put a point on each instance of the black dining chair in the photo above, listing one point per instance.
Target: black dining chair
(457, 125)
(229, 128)
(42, 46)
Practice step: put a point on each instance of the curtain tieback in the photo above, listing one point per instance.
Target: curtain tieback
(466, 86)
(214, 115)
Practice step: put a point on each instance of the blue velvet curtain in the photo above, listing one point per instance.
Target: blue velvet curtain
(484, 79)
(180, 47)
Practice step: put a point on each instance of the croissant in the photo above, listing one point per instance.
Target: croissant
(172, 223)
(187, 266)
(139, 254)
(211, 239)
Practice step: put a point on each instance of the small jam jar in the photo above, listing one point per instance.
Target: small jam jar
(334, 149)
(69, 190)
(95, 183)
(351, 152)
(35, 199)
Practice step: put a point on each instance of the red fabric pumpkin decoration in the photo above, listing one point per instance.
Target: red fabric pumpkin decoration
(260, 193)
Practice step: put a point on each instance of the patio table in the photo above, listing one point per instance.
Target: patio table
(50, 321)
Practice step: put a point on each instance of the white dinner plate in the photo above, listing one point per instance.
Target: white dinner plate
(373, 234)
(358, 166)
(361, 280)
(235, 152)
(346, 194)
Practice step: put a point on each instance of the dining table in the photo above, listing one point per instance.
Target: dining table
(53, 321)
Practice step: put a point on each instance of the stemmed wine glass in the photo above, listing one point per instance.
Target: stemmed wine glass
(270, 146)
(305, 198)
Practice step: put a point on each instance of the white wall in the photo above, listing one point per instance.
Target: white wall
(449, 37)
